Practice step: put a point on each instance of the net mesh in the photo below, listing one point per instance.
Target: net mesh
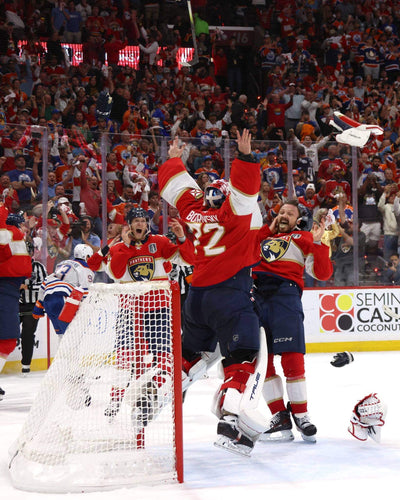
(103, 417)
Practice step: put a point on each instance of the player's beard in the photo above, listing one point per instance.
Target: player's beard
(284, 226)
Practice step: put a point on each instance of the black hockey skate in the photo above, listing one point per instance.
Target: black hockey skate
(280, 427)
(112, 409)
(304, 426)
(2, 393)
(231, 438)
(25, 370)
(146, 407)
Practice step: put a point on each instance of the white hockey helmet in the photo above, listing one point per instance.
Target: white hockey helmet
(82, 252)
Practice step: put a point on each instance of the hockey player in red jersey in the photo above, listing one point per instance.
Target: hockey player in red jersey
(142, 256)
(224, 220)
(15, 267)
(278, 280)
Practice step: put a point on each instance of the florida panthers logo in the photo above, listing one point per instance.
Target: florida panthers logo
(274, 249)
(197, 193)
(141, 268)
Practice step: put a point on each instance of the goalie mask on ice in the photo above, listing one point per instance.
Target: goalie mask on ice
(352, 132)
(367, 419)
(216, 193)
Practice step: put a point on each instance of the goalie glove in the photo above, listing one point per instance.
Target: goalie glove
(367, 418)
(342, 358)
(71, 305)
(38, 310)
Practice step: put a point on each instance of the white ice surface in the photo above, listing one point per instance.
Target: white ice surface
(337, 466)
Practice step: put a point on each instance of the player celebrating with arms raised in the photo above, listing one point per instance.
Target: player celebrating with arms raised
(225, 222)
(285, 251)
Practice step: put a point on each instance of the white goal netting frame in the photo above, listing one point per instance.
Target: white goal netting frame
(108, 413)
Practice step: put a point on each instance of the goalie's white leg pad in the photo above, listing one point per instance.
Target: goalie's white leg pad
(243, 402)
(200, 368)
(196, 372)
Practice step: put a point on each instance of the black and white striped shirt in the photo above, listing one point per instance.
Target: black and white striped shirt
(29, 296)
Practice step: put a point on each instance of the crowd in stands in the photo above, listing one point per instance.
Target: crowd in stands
(307, 60)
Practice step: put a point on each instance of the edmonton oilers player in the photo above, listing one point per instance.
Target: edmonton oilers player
(59, 296)
(218, 309)
(62, 291)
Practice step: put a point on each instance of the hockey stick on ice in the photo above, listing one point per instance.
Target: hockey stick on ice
(390, 312)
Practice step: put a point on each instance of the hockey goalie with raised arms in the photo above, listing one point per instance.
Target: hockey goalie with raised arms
(224, 220)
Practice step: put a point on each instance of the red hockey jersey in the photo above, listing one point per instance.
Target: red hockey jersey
(225, 237)
(146, 262)
(15, 262)
(287, 254)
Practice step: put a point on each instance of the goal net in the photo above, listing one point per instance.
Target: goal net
(108, 413)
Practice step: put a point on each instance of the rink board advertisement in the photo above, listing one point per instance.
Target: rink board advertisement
(340, 319)
(334, 320)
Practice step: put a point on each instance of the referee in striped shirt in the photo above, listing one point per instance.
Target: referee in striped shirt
(28, 295)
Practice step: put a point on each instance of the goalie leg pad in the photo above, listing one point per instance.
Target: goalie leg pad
(192, 371)
(197, 369)
(240, 393)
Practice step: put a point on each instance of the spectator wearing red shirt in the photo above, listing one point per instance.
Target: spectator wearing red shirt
(337, 184)
(9, 143)
(276, 116)
(220, 65)
(325, 170)
(91, 197)
(112, 48)
(8, 194)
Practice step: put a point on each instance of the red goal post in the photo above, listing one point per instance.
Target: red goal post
(108, 413)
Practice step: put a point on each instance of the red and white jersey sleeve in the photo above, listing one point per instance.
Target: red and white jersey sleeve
(15, 261)
(225, 237)
(146, 262)
(286, 254)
